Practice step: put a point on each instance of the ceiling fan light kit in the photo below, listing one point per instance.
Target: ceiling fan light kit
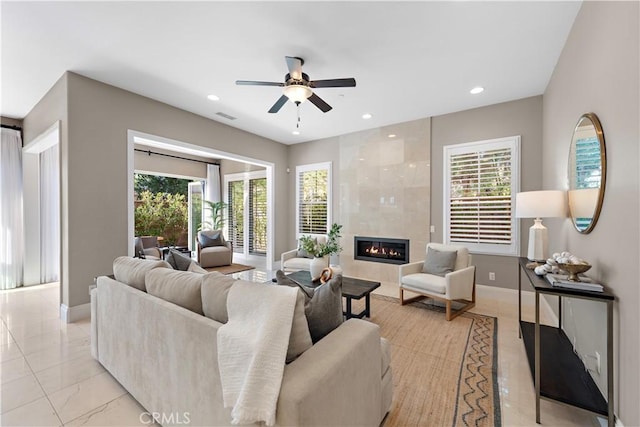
(297, 87)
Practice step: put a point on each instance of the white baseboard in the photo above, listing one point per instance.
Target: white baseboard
(510, 295)
(75, 313)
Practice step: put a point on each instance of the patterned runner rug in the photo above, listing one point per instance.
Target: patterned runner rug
(444, 373)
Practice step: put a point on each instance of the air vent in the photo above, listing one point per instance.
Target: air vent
(226, 116)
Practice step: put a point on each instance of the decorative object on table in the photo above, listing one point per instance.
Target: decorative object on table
(326, 275)
(321, 251)
(563, 261)
(587, 173)
(538, 205)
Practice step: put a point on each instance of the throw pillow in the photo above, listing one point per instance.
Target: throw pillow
(439, 263)
(215, 288)
(323, 305)
(178, 260)
(132, 271)
(210, 238)
(195, 268)
(179, 287)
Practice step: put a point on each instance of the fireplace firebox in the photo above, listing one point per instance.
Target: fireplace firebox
(379, 249)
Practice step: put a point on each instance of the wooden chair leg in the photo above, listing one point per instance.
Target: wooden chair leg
(448, 305)
(401, 296)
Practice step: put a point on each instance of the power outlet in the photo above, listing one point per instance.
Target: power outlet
(492, 275)
(598, 362)
(432, 229)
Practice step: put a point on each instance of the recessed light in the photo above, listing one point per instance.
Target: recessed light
(296, 132)
(392, 135)
(476, 90)
(366, 116)
(213, 97)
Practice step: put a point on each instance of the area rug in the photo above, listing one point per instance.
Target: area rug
(444, 373)
(230, 269)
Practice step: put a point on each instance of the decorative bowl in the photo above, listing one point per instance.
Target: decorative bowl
(574, 270)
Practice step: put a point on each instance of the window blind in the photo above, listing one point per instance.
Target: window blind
(235, 210)
(258, 216)
(481, 183)
(313, 188)
(588, 168)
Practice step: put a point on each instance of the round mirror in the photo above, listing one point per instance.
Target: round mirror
(587, 173)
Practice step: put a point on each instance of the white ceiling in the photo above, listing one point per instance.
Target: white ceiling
(410, 59)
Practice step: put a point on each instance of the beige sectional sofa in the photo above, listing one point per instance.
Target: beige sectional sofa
(166, 356)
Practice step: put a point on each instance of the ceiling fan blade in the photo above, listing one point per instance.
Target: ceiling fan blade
(279, 103)
(334, 83)
(318, 102)
(254, 83)
(295, 67)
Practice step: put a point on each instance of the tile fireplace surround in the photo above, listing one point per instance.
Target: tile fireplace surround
(384, 186)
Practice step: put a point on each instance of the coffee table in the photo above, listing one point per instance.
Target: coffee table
(352, 288)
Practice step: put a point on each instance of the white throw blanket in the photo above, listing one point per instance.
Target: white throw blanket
(252, 347)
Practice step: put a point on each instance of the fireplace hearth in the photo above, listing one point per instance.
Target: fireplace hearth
(380, 249)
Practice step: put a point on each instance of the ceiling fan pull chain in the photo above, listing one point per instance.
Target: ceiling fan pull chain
(298, 108)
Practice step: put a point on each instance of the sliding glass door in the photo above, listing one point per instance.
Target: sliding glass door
(246, 198)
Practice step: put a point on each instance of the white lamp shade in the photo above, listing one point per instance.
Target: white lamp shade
(297, 93)
(541, 204)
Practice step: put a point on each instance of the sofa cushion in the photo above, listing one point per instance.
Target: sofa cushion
(195, 268)
(132, 271)
(215, 288)
(323, 305)
(177, 260)
(426, 282)
(210, 238)
(300, 338)
(179, 287)
(297, 263)
(439, 262)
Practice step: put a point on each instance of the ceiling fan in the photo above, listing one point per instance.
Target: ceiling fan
(298, 87)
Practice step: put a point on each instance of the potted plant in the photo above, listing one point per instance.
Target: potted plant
(322, 251)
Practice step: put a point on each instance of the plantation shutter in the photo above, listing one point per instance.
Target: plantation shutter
(236, 215)
(587, 168)
(481, 181)
(313, 187)
(258, 216)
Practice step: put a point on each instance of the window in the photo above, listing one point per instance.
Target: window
(313, 204)
(246, 199)
(481, 180)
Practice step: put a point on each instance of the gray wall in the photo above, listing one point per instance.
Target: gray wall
(598, 72)
(94, 165)
(522, 117)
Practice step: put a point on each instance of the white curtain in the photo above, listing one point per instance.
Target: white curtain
(49, 215)
(212, 189)
(213, 183)
(11, 226)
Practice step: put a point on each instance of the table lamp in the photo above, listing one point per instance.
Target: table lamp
(538, 205)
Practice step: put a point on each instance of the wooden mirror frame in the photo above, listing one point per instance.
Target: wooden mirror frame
(603, 170)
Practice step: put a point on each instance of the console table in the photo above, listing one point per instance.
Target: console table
(559, 374)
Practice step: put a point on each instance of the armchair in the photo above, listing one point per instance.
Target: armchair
(458, 285)
(214, 255)
(295, 259)
(147, 246)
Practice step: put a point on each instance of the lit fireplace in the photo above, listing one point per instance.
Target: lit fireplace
(379, 249)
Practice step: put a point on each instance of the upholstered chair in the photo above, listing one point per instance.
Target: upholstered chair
(147, 246)
(298, 259)
(213, 249)
(446, 275)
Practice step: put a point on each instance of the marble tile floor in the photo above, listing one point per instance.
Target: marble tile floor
(48, 377)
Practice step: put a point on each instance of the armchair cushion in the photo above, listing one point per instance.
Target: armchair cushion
(303, 253)
(439, 262)
(426, 282)
(210, 238)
